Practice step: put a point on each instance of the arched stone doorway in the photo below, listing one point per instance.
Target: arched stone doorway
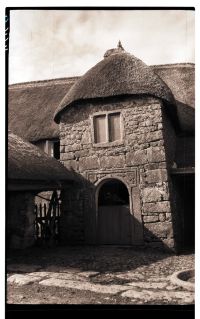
(113, 218)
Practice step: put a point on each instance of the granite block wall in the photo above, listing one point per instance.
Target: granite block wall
(140, 160)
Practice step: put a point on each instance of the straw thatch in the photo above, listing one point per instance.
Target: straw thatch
(116, 75)
(181, 79)
(28, 162)
(32, 105)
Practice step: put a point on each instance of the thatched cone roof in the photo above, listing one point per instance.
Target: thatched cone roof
(28, 162)
(120, 73)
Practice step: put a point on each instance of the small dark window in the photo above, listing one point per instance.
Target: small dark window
(56, 150)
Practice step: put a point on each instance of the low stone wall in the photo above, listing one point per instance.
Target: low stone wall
(20, 220)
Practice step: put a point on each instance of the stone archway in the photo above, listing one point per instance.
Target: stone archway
(113, 216)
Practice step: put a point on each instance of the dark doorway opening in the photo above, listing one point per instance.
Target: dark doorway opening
(56, 150)
(113, 192)
(185, 211)
(114, 218)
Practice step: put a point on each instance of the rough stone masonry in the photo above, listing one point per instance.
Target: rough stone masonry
(140, 160)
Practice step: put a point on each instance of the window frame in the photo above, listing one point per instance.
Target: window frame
(107, 142)
(47, 146)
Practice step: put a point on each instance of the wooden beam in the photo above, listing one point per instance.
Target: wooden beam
(182, 170)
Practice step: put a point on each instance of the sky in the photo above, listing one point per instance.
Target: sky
(47, 44)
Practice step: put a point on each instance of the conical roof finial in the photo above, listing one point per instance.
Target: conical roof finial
(117, 50)
(120, 45)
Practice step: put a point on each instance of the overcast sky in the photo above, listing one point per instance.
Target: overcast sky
(52, 44)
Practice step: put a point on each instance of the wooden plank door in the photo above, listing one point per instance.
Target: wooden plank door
(114, 225)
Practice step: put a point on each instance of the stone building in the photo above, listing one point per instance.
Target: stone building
(127, 129)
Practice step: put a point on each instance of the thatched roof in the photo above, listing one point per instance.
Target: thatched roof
(181, 79)
(28, 162)
(32, 106)
(119, 73)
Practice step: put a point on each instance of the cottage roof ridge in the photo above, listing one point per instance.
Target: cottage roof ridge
(174, 65)
(31, 104)
(45, 82)
(70, 79)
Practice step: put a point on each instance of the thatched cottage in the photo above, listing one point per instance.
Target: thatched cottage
(128, 130)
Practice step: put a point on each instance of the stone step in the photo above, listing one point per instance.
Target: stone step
(148, 285)
(22, 280)
(80, 285)
(170, 296)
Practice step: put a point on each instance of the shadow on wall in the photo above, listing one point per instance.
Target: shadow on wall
(80, 256)
(83, 221)
(77, 254)
(184, 219)
(186, 115)
(115, 225)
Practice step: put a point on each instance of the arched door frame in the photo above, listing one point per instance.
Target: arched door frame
(105, 179)
(99, 184)
(134, 205)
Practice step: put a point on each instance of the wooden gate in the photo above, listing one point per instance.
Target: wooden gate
(47, 221)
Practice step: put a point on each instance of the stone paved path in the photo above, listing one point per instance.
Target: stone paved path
(144, 284)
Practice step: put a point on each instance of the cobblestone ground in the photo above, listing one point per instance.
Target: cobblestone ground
(96, 275)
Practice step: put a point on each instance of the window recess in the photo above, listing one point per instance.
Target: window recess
(107, 128)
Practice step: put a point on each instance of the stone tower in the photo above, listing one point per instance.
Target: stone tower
(117, 131)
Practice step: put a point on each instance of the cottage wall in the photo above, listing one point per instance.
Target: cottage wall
(140, 161)
(20, 220)
(169, 135)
